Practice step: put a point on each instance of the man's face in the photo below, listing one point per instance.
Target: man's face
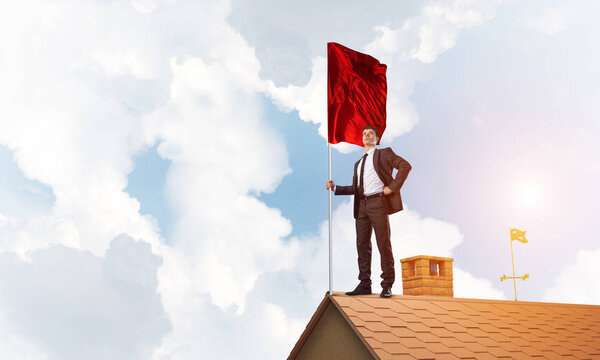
(369, 137)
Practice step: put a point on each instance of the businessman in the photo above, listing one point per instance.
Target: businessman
(376, 195)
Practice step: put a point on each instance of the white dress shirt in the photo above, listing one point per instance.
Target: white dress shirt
(373, 184)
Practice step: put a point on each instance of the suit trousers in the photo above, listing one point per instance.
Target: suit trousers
(372, 216)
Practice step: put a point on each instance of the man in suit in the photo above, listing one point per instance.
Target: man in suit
(376, 195)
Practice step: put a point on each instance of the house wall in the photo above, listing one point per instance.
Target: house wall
(333, 338)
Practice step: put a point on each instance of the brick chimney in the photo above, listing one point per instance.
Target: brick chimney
(427, 275)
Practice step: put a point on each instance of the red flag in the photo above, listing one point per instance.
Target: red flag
(356, 94)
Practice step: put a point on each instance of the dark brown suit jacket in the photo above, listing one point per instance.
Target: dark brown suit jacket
(384, 161)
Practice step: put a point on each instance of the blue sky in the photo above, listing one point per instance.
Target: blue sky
(162, 164)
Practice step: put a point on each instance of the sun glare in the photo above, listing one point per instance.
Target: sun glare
(529, 194)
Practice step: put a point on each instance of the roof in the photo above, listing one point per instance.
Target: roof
(434, 327)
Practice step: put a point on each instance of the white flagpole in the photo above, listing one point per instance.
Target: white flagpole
(330, 189)
(330, 244)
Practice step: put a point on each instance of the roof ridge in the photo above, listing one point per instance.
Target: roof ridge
(455, 299)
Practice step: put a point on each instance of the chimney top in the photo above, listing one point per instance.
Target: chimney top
(427, 275)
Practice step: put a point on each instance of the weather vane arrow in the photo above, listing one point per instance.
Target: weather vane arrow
(519, 235)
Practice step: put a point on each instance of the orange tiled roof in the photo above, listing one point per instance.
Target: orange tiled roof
(430, 327)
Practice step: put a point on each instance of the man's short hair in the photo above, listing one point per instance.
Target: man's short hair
(372, 127)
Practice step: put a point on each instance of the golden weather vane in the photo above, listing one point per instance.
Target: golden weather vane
(520, 236)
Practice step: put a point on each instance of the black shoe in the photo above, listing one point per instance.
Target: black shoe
(386, 292)
(360, 290)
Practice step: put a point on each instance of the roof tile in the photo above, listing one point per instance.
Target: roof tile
(438, 348)
(359, 306)
(467, 323)
(412, 343)
(478, 333)
(383, 355)
(500, 337)
(455, 328)
(385, 337)
(396, 322)
(416, 304)
(402, 357)
(447, 319)
(446, 357)
(509, 346)
(377, 303)
(488, 342)
(510, 333)
(432, 323)
(581, 355)
(518, 355)
(465, 337)
(499, 352)
(520, 342)
(486, 356)
(377, 326)
(452, 342)
(410, 318)
(358, 321)
(422, 354)
(442, 332)
(364, 331)
(475, 347)
(424, 314)
(531, 351)
(418, 327)
(375, 344)
(427, 338)
(488, 328)
(481, 307)
(368, 316)
(463, 353)
(398, 349)
(398, 307)
(387, 313)
(455, 306)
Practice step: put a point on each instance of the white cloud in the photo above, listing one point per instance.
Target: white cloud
(578, 282)
(553, 20)
(466, 285)
(145, 6)
(434, 31)
(70, 125)
(287, 35)
(13, 346)
(424, 236)
(309, 99)
(21, 235)
(231, 236)
(73, 305)
(263, 331)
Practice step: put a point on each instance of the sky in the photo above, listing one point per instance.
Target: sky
(162, 164)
